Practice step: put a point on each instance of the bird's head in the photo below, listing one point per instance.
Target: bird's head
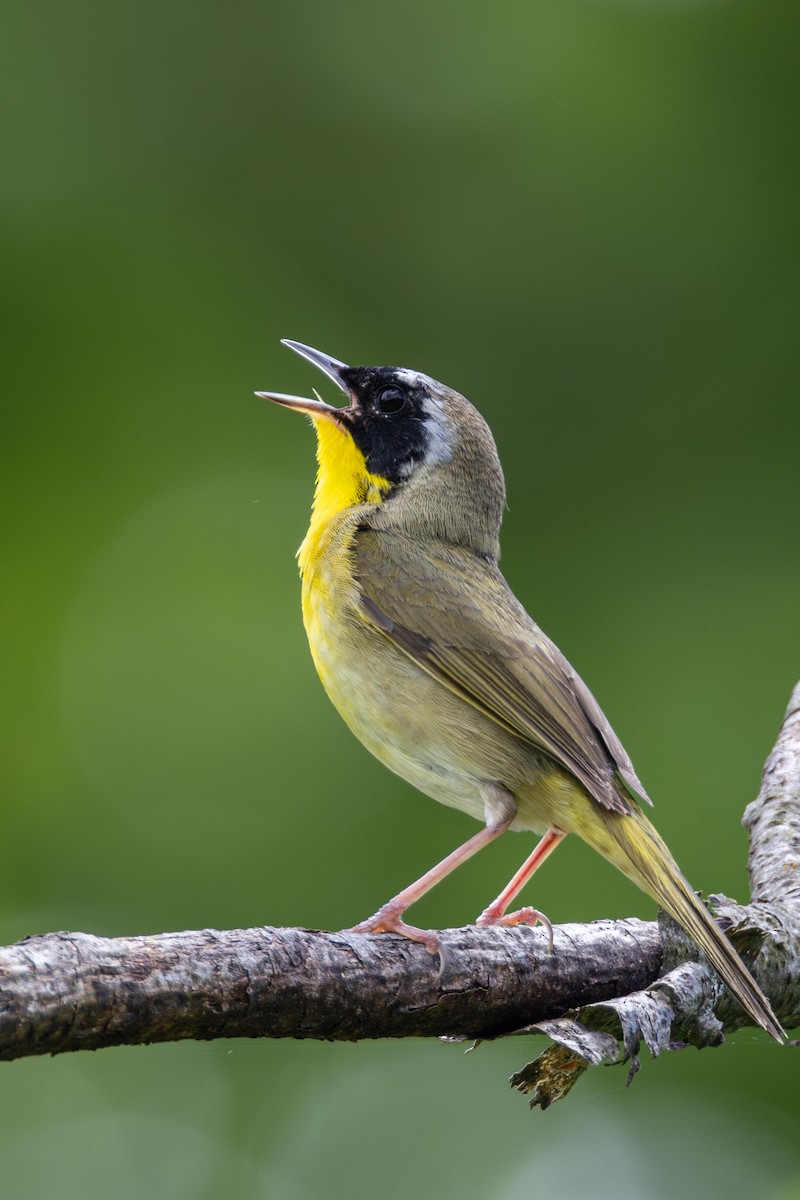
(415, 449)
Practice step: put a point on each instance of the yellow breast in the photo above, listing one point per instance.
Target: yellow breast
(343, 481)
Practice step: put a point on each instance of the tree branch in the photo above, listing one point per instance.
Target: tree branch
(773, 819)
(67, 991)
(598, 994)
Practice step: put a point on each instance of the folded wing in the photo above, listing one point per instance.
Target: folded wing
(490, 653)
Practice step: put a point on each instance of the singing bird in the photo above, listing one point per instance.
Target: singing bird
(438, 669)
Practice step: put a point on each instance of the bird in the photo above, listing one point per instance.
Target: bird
(438, 669)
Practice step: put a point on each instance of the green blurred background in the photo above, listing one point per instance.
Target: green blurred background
(583, 215)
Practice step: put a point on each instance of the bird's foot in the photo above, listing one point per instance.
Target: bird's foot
(389, 920)
(523, 916)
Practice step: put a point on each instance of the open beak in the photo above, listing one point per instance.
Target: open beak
(331, 367)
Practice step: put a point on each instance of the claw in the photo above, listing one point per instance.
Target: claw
(523, 916)
(389, 920)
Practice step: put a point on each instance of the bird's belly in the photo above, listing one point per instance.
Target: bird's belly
(415, 725)
(406, 737)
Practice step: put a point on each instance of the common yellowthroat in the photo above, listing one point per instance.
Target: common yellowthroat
(438, 669)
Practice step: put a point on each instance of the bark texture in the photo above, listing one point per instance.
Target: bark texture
(73, 991)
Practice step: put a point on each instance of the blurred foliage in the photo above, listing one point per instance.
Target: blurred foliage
(583, 215)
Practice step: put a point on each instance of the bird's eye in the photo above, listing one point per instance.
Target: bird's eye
(391, 399)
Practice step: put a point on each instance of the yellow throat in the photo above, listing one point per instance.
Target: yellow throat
(343, 479)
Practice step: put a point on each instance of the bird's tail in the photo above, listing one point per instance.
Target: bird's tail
(646, 860)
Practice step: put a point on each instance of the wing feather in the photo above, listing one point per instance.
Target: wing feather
(490, 652)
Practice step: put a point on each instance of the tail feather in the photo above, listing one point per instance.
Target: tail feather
(648, 862)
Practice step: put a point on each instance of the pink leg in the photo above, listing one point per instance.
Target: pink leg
(388, 918)
(496, 913)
